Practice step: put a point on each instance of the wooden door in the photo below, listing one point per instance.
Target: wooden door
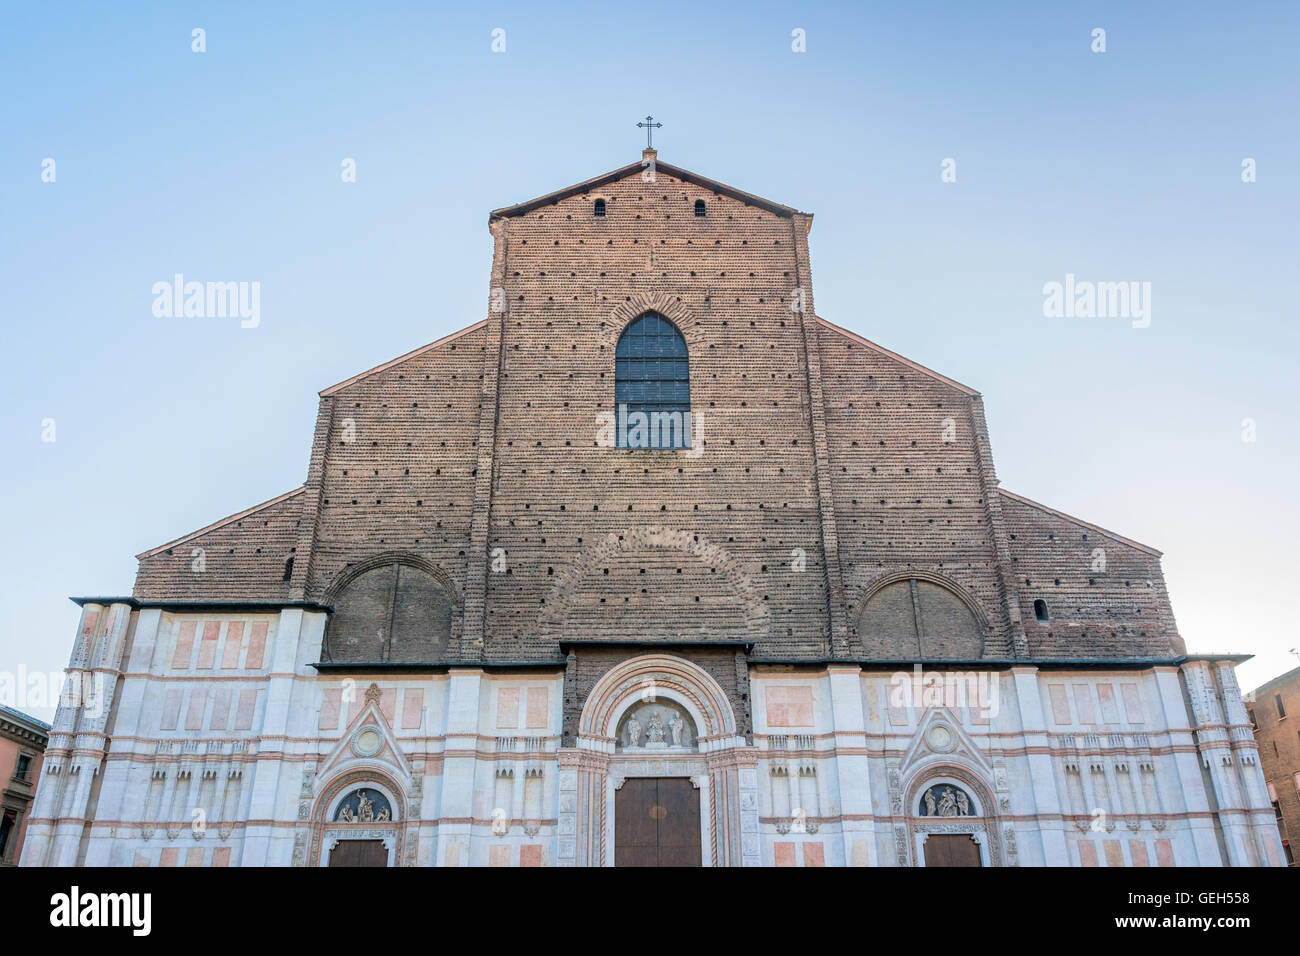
(359, 853)
(657, 822)
(951, 849)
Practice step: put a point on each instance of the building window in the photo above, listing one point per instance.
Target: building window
(699, 209)
(1281, 711)
(599, 208)
(1253, 721)
(652, 386)
(7, 823)
(22, 771)
(288, 569)
(1040, 610)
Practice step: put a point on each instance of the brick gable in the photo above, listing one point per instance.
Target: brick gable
(829, 464)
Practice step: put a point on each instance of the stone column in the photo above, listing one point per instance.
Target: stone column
(264, 844)
(78, 739)
(125, 784)
(1189, 756)
(1047, 804)
(1257, 808)
(852, 764)
(459, 768)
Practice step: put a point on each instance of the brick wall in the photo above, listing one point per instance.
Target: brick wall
(1105, 596)
(828, 464)
(242, 558)
(1279, 748)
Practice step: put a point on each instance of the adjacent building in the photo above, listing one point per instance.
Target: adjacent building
(1274, 708)
(22, 746)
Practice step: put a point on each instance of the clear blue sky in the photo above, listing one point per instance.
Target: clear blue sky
(225, 165)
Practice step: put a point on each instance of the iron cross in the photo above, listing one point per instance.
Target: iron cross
(650, 127)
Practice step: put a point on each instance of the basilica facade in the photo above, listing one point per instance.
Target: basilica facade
(651, 566)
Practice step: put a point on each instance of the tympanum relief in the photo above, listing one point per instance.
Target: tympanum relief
(655, 726)
(946, 800)
(364, 806)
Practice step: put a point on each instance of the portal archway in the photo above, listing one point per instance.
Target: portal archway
(658, 717)
(361, 807)
(951, 803)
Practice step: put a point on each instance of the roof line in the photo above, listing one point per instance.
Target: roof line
(1293, 672)
(683, 174)
(898, 358)
(402, 358)
(217, 524)
(1079, 521)
(34, 725)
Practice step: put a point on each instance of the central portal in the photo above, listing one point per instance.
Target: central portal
(951, 849)
(657, 822)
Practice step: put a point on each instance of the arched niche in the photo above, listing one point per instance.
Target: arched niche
(945, 799)
(920, 616)
(391, 608)
(627, 687)
(934, 804)
(656, 725)
(364, 804)
(342, 798)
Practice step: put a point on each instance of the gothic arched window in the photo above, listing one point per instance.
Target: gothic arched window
(652, 386)
(599, 208)
(393, 612)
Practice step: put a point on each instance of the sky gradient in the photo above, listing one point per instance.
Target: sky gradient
(225, 165)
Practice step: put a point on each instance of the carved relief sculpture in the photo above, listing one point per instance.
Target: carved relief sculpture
(946, 800)
(654, 733)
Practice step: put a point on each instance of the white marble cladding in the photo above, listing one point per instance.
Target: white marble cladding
(224, 746)
(1079, 767)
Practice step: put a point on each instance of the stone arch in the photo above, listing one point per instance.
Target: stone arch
(327, 832)
(719, 764)
(752, 619)
(667, 305)
(663, 675)
(966, 638)
(963, 773)
(346, 780)
(928, 786)
(371, 623)
(354, 569)
(363, 780)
